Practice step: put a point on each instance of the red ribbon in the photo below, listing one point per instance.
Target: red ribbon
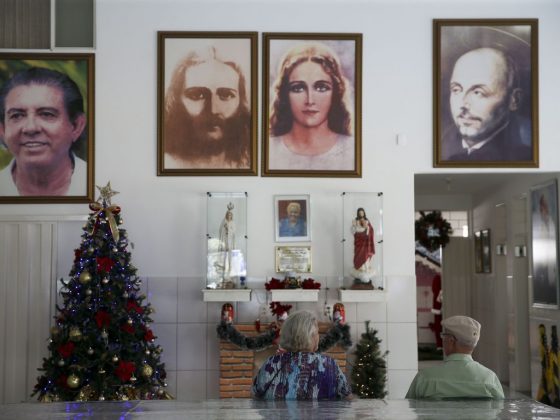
(66, 350)
(102, 319)
(104, 264)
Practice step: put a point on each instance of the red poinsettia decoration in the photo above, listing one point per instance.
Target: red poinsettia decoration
(278, 309)
(274, 284)
(131, 305)
(310, 284)
(102, 319)
(128, 328)
(77, 254)
(66, 350)
(149, 335)
(125, 370)
(104, 264)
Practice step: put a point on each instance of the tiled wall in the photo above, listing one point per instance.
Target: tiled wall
(186, 329)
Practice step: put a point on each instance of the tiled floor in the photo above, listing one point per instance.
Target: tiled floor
(249, 409)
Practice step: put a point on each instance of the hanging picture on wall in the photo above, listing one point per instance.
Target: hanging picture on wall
(46, 128)
(486, 93)
(207, 96)
(292, 218)
(478, 252)
(312, 105)
(544, 244)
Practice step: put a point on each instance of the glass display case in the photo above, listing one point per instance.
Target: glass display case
(362, 240)
(226, 234)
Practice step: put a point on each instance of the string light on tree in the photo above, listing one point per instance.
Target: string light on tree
(98, 347)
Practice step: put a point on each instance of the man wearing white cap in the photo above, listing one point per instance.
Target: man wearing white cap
(460, 376)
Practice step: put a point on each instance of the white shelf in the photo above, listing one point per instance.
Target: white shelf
(349, 295)
(295, 295)
(226, 295)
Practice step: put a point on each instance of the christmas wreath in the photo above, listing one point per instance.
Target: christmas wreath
(432, 230)
(339, 333)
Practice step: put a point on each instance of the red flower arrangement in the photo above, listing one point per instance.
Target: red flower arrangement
(278, 309)
(66, 350)
(125, 370)
(292, 283)
(102, 319)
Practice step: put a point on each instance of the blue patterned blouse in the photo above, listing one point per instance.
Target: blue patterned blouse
(300, 376)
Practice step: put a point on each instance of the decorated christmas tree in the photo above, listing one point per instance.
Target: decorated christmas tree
(369, 373)
(101, 346)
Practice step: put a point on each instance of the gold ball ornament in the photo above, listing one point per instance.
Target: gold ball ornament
(61, 362)
(147, 371)
(85, 277)
(88, 292)
(75, 334)
(55, 330)
(90, 351)
(73, 381)
(101, 398)
(104, 334)
(115, 358)
(129, 321)
(105, 280)
(133, 378)
(101, 371)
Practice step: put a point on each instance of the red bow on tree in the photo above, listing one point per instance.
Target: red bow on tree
(102, 319)
(77, 254)
(125, 370)
(104, 264)
(66, 350)
(131, 305)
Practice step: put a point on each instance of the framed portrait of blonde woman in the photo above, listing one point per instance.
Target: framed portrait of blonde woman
(312, 105)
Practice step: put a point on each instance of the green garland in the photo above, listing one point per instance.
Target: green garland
(432, 230)
(337, 334)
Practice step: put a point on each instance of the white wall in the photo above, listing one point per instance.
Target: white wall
(165, 216)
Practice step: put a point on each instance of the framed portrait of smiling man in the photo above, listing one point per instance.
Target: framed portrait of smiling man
(486, 93)
(312, 105)
(207, 96)
(46, 128)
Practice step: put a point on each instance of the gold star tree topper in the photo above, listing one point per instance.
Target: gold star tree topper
(105, 193)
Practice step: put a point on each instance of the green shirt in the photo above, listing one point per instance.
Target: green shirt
(459, 377)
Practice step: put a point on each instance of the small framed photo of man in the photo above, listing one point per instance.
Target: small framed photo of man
(46, 128)
(207, 102)
(544, 244)
(486, 93)
(292, 218)
(312, 105)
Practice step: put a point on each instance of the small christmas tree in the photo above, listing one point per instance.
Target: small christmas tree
(369, 373)
(102, 347)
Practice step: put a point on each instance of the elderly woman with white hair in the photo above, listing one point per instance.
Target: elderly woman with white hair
(300, 373)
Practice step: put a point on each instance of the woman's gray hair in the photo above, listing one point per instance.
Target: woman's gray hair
(298, 330)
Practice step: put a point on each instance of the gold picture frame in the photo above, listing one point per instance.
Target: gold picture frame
(70, 120)
(330, 121)
(485, 85)
(209, 127)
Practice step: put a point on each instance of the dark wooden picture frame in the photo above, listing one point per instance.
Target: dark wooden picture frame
(323, 105)
(207, 103)
(486, 93)
(544, 245)
(47, 128)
